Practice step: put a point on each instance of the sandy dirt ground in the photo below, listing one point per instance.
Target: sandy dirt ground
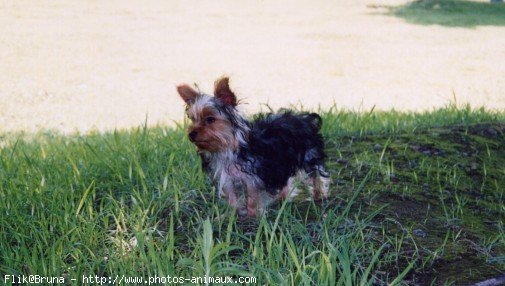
(85, 65)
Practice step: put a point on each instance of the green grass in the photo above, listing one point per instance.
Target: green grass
(415, 198)
(452, 13)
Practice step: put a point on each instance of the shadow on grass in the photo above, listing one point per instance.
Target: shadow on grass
(452, 13)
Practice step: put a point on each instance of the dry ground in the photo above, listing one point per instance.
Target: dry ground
(81, 65)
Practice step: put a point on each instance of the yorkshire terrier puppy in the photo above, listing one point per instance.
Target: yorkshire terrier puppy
(255, 163)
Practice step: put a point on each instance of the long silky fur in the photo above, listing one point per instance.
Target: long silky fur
(280, 144)
(267, 154)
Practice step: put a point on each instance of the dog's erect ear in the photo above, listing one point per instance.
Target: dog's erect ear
(222, 92)
(187, 93)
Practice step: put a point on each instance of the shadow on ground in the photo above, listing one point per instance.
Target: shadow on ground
(441, 187)
(451, 13)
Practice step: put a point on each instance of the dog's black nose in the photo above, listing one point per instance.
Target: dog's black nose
(192, 135)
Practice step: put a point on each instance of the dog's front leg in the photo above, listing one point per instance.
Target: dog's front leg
(259, 200)
(235, 193)
(253, 202)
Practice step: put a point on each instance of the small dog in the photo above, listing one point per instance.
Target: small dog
(255, 163)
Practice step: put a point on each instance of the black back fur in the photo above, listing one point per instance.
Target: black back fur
(280, 144)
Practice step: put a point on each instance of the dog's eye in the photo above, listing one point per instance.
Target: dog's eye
(210, 120)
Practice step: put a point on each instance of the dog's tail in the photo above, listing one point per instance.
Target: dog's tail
(315, 120)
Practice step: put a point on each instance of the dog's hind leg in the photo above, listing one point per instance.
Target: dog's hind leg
(314, 166)
(320, 182)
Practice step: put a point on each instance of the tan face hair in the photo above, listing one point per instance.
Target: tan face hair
(210, 130)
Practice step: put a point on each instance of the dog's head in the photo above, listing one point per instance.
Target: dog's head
(213, 117)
